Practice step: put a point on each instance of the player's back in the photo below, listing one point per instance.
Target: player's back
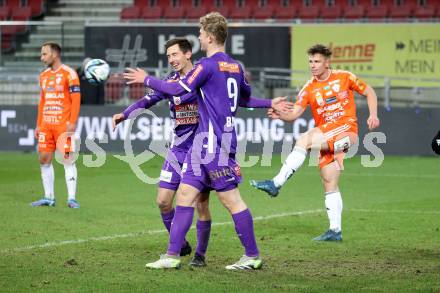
(220, 93)
(56, 89)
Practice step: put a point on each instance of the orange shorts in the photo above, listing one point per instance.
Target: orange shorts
(340, 135)
(50, 139)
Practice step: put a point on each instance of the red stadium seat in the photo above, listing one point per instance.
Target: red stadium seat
(13, 3)
(426, 11)
(130, 13)
(151, 13)
(172, 12)
(263, 10)
(37, 7)
(286, 12)
(141, 3)
(193, 12)
(309, 12)
(5, 12)
(219, 6)
(354, 12)
(404, 10)
(331, 12)
(21, 14)
(378, 12)
(114, 88)
(237, 12)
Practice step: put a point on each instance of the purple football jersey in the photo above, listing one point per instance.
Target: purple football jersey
(184, 114)
(221, 85)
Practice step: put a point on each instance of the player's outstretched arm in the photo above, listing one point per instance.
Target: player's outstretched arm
(372, 121)
(289, 116)
(141, 76)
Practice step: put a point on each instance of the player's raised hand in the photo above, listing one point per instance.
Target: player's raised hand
(373, 122)
(280, 104)
(135, 75)
(117, 118)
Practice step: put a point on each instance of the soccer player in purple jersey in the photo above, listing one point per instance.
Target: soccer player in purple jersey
(185, 116)
(210, 163)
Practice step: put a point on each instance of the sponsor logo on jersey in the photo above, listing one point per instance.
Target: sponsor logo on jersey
(319, 99)
(195, 73)
(166, 176)
(74, 89)
(220, 173)
(330, 100)
(58, 80)
(336, 87)
(176, 100)
(186, 114)
(343, 95)
(54, 96)
(327, 94)
(228, 67)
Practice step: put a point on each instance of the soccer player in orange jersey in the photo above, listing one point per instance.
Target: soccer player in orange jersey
(330, 96)
(58, 112)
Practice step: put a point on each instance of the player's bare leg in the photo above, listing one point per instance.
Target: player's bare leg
(164, 202)
(244, 227)
(313, 138)
(183, 217)
(203, 230)
(48, 178)
(333, 202)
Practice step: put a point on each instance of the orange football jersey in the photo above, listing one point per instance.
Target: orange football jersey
(332, 100)
(59, 97)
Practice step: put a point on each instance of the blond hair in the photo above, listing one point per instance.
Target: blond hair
(215, 24)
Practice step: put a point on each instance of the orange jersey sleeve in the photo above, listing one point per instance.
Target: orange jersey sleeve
(303, 98)
(40, 106)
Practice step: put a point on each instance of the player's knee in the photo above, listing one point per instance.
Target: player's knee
(164, 205)
(45, 159)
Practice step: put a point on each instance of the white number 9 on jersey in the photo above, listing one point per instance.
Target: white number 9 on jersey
(232, 92)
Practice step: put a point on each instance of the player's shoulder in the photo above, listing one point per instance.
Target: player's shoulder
(172, 76)
(69, 71)
(45, 72)
(342, 73)
(308, 84)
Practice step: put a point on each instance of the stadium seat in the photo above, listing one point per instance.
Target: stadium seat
(426, 11)
(309, 12)
(172, 12)
(238, 12)
(356, 12)
(5, 12)
(219, 6)
(130, 13)
(114, 88)
(21, 14)
(263, 10)
(377, 12)
(37, 7)
(286, 10)
(13, 3)
(142, 3)
(331, 12)
(136, 91)
(151, 13)
(403, 10)
(194, 12)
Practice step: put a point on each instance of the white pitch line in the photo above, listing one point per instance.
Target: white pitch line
(149, 232)
(395, 211)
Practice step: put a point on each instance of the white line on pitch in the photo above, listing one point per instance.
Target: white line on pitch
(148, 232)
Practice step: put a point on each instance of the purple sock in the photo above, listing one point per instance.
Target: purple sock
(167, 218)
(203, 233)
(182, 221)
(244, 226)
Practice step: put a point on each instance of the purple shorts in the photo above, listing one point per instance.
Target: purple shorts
(219, 172)
(170, 175)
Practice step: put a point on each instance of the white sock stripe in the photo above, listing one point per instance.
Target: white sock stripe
(300, 150)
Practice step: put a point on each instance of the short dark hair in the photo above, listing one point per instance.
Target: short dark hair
(184, 45)
(53, 47)
(320, 49)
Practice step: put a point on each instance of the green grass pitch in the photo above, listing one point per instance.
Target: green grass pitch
(391, 224)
